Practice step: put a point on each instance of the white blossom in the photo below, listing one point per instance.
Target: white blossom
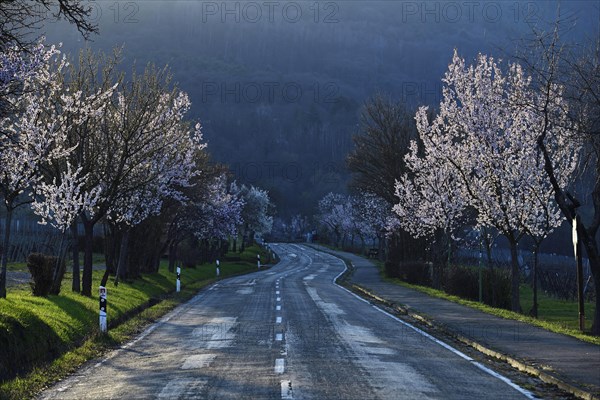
(61, 202)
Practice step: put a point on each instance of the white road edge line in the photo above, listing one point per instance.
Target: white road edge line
(504, 379)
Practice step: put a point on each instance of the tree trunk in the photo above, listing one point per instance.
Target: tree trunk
(596, 323)
(591, 248)
(122, 265)
(5, 244)
(568, 207)
(86, 281)
(172, 255)
(59, 268)
(534, 270)
(514, 276)
(490, 264)
(381, 247)
(76, 286)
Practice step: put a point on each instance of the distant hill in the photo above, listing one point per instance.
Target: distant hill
(278, 86)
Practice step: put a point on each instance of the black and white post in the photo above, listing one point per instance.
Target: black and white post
(218, 270)
(102, 294)
(258, 260)
(178, 279)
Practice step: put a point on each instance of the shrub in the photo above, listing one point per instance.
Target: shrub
(464, 282)
(416, 273)
(496, 288)
(189, 253)
(41, 267)
(392, 269)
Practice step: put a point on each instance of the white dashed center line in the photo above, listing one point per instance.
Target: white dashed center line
(279, 366)
(198, 361)
(286, 390)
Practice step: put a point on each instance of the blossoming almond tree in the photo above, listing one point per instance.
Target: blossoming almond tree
(489, 144)
(256, 214)
(220, 214)
(59, 203)
(429, 195)
(33, 133)
(163, 160)
(140, 149)
(371, 213)
(336, 215)
(558, 65)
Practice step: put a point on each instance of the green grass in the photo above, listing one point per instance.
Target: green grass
(55, 335)
(561, 312)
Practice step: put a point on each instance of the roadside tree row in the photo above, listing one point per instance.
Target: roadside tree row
(82, 143)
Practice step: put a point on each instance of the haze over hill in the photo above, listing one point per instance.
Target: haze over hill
(278, 86)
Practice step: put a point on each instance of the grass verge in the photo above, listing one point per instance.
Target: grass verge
(553, 315)
(48, 338)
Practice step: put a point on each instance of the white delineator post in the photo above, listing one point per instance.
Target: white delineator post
(102, 294)
(178, 279)
(258, 260)
(218, 270)
(579, 275)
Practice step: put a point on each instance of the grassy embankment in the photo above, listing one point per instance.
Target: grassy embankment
(46, 338)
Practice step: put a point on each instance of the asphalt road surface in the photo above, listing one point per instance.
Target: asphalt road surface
(284, 333)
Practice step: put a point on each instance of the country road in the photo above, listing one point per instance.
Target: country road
(285, 333)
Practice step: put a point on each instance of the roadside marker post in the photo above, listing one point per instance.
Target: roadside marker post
(579, 274)
(178, 279)
(258, 260)
(218, 270)
(102, 295)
